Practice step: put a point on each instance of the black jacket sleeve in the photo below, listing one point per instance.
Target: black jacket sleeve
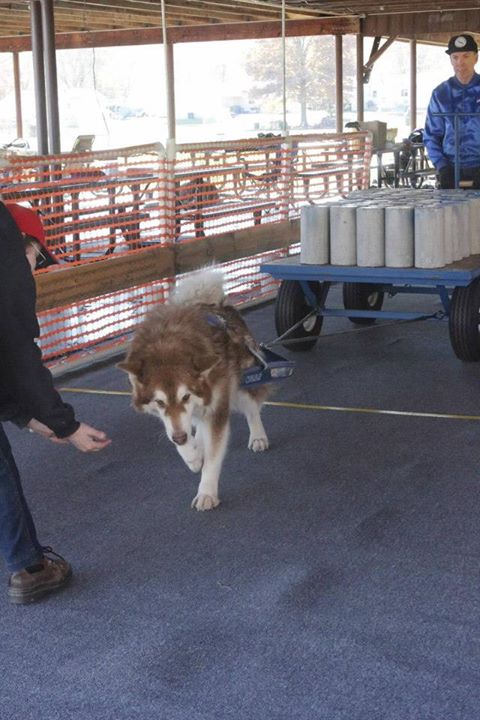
(10, 409)
(24, 380)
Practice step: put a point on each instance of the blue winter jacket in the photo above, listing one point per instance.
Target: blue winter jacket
(439, 136)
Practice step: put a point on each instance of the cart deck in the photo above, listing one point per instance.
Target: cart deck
(457, 274)
(301, 302)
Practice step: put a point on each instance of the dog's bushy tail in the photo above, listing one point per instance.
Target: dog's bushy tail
(203, 287)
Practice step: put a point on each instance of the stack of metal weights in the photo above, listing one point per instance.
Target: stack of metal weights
(392, 228)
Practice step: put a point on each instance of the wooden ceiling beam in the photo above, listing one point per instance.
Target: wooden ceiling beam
(204, 33)
(377, 52)
(422, 23)
(123, 5)
(89, 21)
(219, 9)
(133, 17)
(391, 7)
(258, 9)
(18, 19)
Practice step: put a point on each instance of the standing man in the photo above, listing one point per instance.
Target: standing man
(458, 94)
(29, 399)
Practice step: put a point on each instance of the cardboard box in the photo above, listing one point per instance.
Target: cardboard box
(378, 130)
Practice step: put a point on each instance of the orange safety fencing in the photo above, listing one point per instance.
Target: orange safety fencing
(100, 205)
(93, 203)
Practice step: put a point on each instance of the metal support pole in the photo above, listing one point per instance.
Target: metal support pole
(284, 71)
(48, 33)
(339, 82)
(360, 94)
(169, 77)
(413, 84)
(39, 77)
(457, 149)
(18, 95)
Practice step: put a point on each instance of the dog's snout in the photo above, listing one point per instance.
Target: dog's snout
(179, 438)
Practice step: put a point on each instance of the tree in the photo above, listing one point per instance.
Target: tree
(310, 72)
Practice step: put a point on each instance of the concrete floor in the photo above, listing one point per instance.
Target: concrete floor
(337, 580)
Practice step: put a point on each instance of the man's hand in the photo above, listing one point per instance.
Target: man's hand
(446, 177)
(87, 439)
(37, 427)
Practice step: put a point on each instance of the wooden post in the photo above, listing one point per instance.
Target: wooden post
(360, 93)
(413, 84)
(48, 33)
(170, 76)
(339, 82)
(18, 95)
(39, 77)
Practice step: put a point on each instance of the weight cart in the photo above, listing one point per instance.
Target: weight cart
(301, 302)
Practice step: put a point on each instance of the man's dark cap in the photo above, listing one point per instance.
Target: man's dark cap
(461, 43)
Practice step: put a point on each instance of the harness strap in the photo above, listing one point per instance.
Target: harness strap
(219, 322)
(216, 321)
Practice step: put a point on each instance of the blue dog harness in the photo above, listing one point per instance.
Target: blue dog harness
(269, 367)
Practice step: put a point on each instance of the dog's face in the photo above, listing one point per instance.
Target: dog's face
(176, 408)
(172, 393)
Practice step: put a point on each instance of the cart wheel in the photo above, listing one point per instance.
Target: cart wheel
(464, 322)
(291, 307)
(362, 296)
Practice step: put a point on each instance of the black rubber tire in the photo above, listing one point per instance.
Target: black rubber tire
(362, 296)
(291, 306)
(464, 322)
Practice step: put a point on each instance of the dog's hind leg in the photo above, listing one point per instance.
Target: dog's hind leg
(250, 404)
(214, 432)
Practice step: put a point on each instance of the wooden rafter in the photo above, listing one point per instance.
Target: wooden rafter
(432, 19)
(377, 52)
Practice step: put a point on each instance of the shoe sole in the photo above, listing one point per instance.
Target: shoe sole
(24, 598)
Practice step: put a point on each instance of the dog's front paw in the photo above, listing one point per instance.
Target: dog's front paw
(195, 464)
(258, 444)
(205, 502)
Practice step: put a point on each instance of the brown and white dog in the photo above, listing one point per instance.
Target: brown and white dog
(185, 366)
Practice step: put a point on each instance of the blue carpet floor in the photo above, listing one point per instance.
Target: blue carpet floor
(337, 580)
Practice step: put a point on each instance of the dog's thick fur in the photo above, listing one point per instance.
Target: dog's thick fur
(185, 365)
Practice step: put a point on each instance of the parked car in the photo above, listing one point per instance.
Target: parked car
(327, 123)
(123, 112)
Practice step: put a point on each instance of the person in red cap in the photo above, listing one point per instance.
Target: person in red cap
(28, 398)
(30, 225)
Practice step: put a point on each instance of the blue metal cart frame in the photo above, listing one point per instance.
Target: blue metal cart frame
(457, 285)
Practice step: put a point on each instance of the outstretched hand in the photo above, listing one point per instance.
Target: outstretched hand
(88, 439)
(85, 438)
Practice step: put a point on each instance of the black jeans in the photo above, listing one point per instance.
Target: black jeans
(446, 177)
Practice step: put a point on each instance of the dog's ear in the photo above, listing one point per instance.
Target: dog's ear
(132, 366)
(204, 382)
(202, 387)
